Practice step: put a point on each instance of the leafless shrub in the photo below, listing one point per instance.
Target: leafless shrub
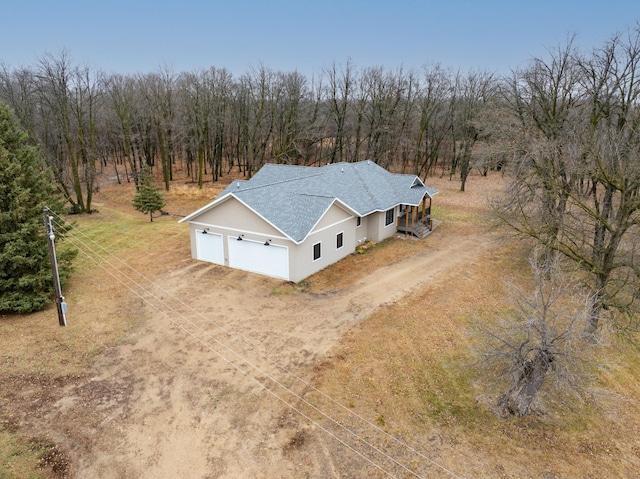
(538, 352)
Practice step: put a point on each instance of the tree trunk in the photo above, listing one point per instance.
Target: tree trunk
(518, 399)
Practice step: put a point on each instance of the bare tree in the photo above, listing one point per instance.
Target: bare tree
(611, 207)
(382, 112)
(539, 347)
(577, 184)
(340, 92)
(312, 124)
(435, 115)
(254, 112)
(158, 92)
(196, 104)
(59, 104)
(288, 129)
(542, 100)
(121, 91)
(471, 94)
(220, 81)
(69, 98)
(17, 89)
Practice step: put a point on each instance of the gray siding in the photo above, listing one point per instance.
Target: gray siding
(332, 216)
(390, 230)
(362, 231)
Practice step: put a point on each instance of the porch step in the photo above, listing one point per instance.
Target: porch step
(419, 230)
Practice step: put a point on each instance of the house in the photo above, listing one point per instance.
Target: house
(289, 222)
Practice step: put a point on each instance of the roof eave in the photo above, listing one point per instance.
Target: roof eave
(335, 201)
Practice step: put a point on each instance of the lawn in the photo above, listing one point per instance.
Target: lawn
(406, 368)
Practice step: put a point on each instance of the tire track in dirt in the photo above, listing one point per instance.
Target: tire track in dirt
(390, 283)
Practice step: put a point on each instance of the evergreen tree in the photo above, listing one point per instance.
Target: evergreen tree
(149, 198)
(25, 186)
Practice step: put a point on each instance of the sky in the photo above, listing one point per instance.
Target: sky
(140, 36)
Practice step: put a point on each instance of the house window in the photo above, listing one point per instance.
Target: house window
(388, 217)
(339, 240)
(358, 221)
(316, 251)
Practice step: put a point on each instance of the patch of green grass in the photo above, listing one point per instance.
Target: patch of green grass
(444, 213)
(20, 459)
(446, 393)
(115, 232)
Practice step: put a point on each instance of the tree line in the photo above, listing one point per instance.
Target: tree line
(572, 122)
(210, 122)
(565, 127)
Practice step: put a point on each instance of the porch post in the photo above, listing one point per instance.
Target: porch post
(406, 222)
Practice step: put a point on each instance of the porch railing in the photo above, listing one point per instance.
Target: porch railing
(409, 216)
(415, 221)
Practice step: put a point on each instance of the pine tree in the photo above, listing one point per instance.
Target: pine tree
(149, 198)
(25, 186)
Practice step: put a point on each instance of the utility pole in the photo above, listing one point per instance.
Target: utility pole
(60, 303)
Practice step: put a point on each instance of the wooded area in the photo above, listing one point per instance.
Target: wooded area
(564, 128)
(211, 122)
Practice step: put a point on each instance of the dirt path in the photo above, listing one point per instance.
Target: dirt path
(184, 395)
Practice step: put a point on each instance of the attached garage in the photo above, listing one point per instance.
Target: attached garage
(271, 260)
(209, 247)
(310, 217)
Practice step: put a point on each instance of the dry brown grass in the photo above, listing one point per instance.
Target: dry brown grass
(404, 368)
(38, 354)
(407, 368)
(457, 212)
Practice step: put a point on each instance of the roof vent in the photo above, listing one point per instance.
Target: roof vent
(238, 185)
(342, 169)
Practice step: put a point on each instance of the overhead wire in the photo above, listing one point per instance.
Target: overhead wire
(284, 369)
(245, 373)
(257, 381)
(251, 347)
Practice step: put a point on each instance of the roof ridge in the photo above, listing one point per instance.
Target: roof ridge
(364, 184)
(313, 194)
(287, 180)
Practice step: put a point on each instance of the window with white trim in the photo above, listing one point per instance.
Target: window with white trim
(339, 240)
(317, 251)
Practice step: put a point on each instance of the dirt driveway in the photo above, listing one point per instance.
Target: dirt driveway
(205, 388)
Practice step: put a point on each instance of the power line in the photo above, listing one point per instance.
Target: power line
(246, 373)
(229, 334)
(251, 365)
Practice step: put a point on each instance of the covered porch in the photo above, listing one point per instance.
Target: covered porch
(416, 220)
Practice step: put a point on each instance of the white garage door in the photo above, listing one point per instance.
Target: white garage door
(209, 247)
(253, 256)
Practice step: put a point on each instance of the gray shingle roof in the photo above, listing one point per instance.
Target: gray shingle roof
(294, 198)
